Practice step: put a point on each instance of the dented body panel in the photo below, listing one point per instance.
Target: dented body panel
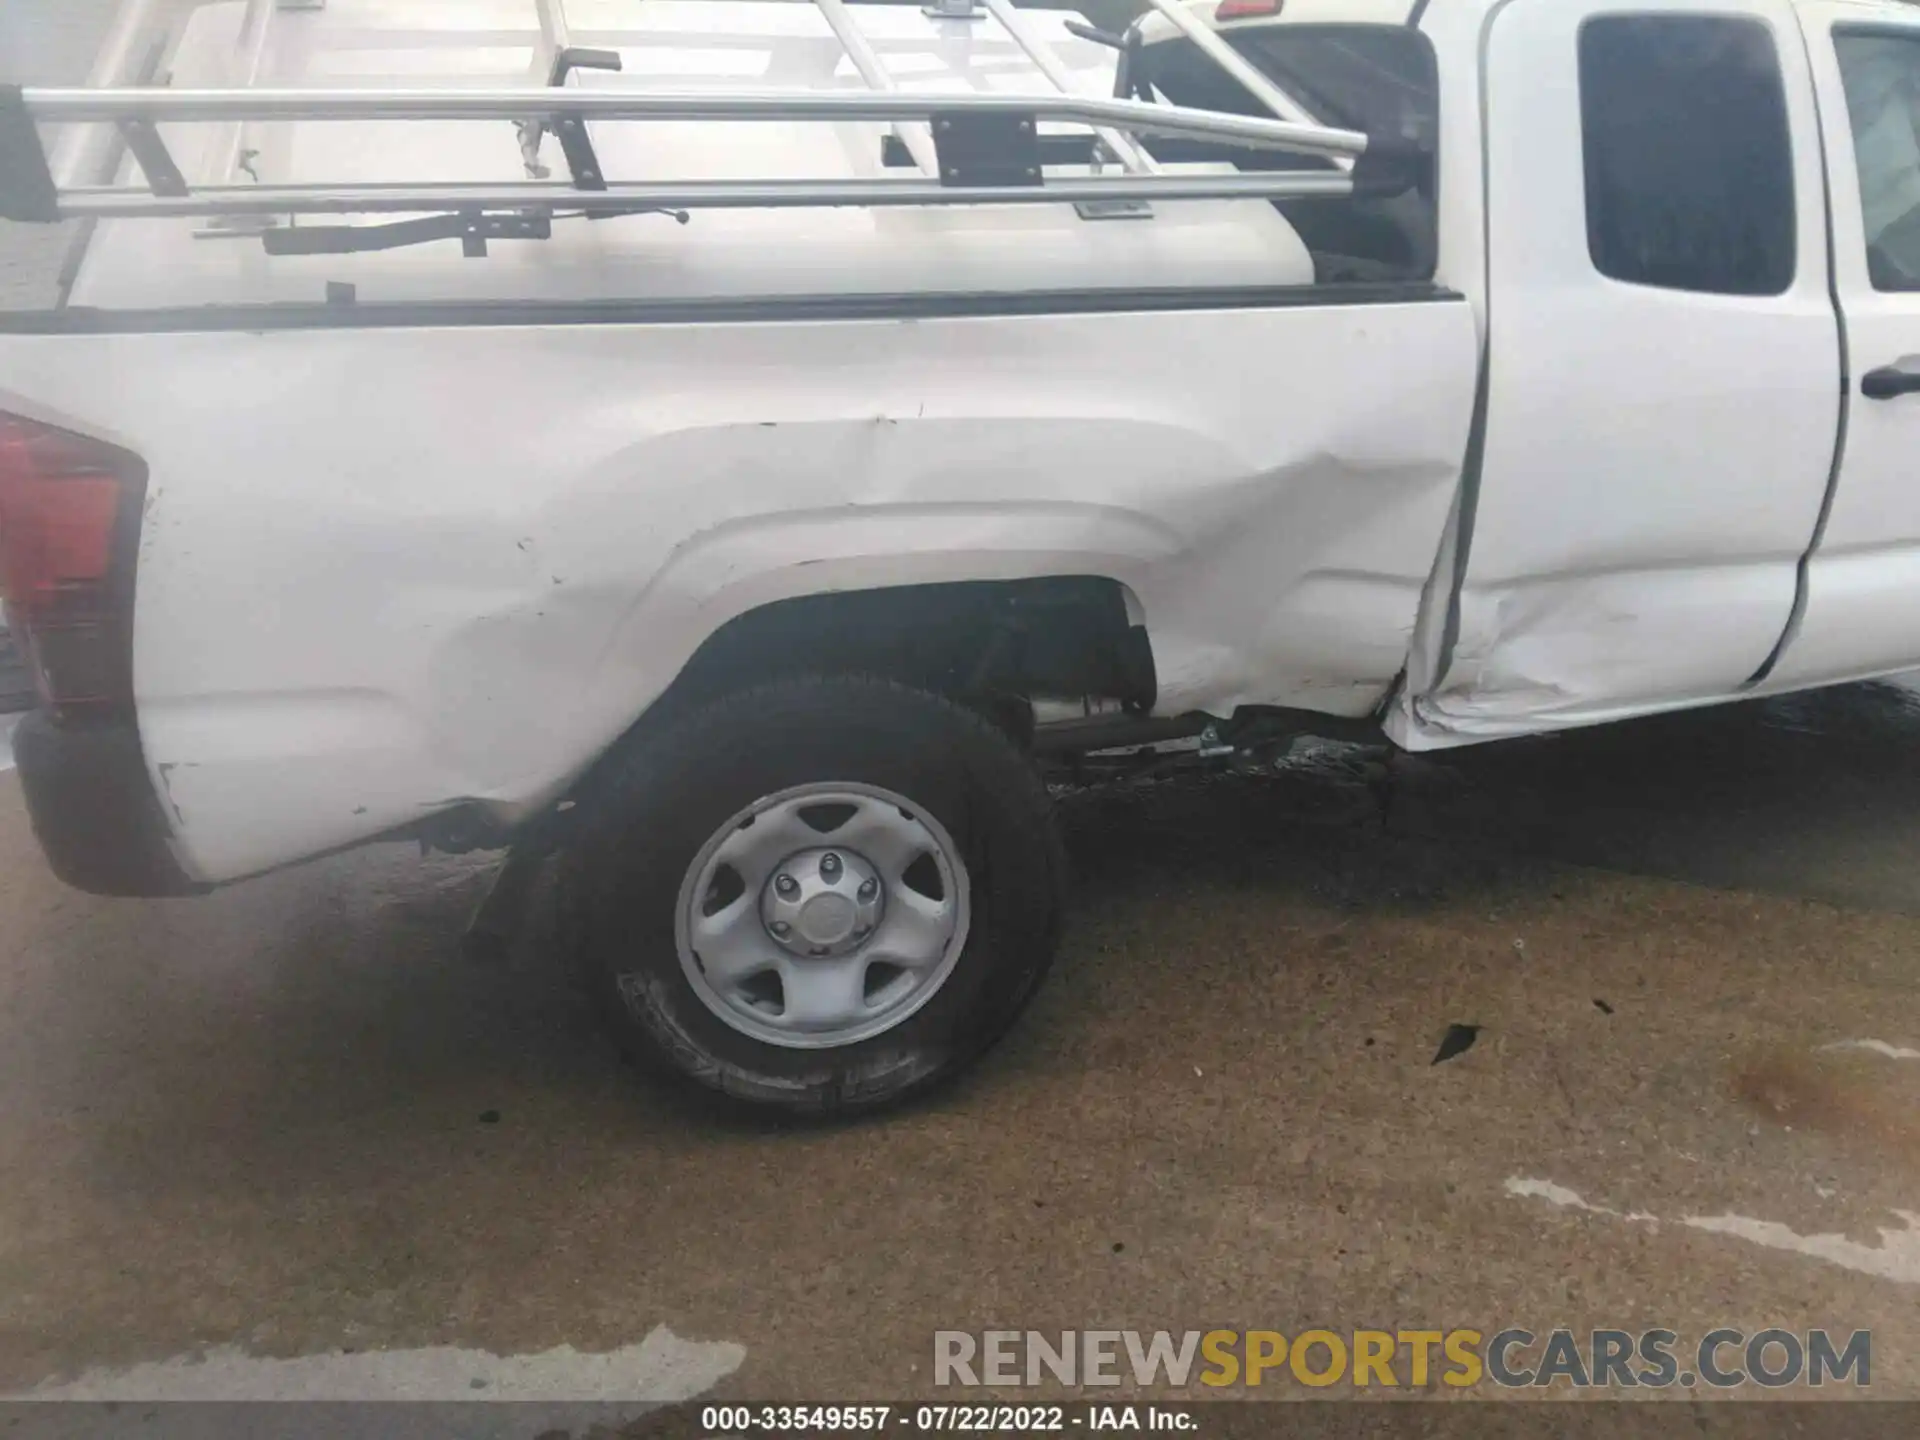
(1653, 461)
(417, 598)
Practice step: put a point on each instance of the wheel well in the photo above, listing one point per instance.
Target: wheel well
(994, 645)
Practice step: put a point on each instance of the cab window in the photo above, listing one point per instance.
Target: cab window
(1380, 79)
(1881, 72)
(1689, 168)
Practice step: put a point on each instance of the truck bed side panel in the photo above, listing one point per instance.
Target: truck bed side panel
(384, 571)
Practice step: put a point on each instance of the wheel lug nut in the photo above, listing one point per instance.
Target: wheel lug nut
(786, 887)
(830, 866)
(780, 928)
(870, 889)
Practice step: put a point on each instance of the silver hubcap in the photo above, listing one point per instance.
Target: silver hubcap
(822, 915)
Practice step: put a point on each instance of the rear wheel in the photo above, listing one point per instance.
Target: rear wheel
(818, 895)
(16, 684)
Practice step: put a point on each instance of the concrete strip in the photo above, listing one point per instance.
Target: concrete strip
(1876, 1047)
(1896, 1257)
(1565, 1199)
(660, 1369)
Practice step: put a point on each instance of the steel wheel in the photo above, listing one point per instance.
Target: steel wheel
(819, 895)
(822, 915)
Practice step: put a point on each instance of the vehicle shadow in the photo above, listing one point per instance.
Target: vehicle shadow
(1814, 795)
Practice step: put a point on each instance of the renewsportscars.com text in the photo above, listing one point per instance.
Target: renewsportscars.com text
(1512, 1358)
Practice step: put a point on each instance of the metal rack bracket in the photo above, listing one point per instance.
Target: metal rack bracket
(583, 166)
(986, 149)
(27, 189)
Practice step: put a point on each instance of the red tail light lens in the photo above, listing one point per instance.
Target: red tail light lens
(68, 505)
(1246, 10)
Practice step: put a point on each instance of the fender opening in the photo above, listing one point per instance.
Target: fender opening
(1028, 654)
(1060, 654)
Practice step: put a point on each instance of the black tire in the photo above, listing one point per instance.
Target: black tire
(16, 685)
(657, 802)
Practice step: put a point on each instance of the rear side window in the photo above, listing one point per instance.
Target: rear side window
(1881, 71)
(1689, 174)
(1380, 79)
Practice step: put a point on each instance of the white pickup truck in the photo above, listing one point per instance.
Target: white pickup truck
(733, 475)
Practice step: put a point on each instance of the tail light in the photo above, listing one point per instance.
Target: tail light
(1246, 10)
(69, 524)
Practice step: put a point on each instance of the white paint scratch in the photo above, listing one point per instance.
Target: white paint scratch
(1896, 1257)
(1876, 1047)
(662, 1368)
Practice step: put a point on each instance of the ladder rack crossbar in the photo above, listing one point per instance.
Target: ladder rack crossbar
(556, 33)
(1209, 43)
(917, 139)
(256, 31)
(1131, 157)
(167, 106)
(619, 198)
(82, 154)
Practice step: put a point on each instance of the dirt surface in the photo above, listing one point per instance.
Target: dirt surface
(289, 1118)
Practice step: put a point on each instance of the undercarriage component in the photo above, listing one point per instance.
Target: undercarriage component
(1118, 746)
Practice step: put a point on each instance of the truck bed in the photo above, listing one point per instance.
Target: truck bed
(417, 556)
(687, 45)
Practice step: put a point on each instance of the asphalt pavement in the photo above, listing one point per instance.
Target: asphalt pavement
(290, 1124)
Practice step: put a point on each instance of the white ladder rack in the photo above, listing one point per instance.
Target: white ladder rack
(969, 148)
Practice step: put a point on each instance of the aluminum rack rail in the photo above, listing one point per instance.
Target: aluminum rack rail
(967, 148)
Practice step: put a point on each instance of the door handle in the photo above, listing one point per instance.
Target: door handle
(1900, 378)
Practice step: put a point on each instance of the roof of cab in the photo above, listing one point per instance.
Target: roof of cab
(1155, 27)
(1292, 12)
